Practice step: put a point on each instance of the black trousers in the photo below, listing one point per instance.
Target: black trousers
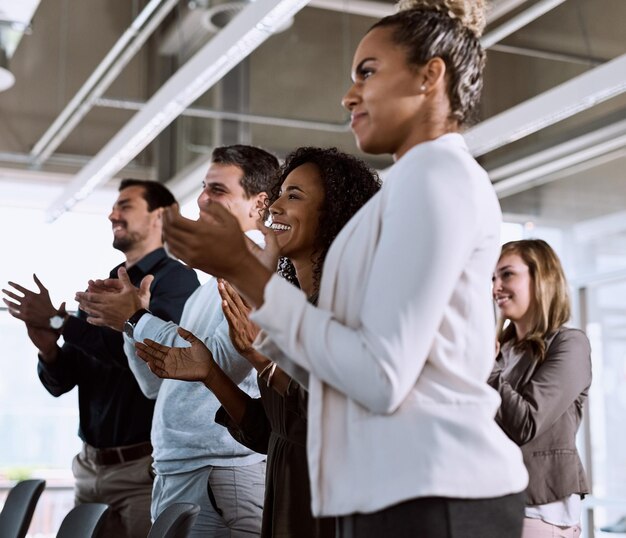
(439, 517)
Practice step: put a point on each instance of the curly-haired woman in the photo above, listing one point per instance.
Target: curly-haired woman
(320, 190)
(543, 373)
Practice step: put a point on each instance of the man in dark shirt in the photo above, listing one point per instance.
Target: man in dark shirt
(115, 417)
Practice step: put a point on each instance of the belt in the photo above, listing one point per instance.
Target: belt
(116, 454)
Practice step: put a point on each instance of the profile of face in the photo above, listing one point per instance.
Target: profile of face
(131, 220)
(295, 214)
(222, 185)
(513, 288)
(386, 96)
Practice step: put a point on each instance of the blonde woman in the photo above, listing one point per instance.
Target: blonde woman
(543, 373)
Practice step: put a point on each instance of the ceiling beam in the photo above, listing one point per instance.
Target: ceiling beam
(244, 34)
(572, 97)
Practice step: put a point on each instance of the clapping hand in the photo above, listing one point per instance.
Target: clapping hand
(241, 330)
(111, 302)
(193, 363)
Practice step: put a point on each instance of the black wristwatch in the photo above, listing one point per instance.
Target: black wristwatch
(131, 322)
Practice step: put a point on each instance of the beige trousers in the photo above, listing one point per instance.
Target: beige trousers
(125, 487)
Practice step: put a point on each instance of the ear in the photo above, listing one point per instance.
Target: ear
(259, 204)
(432, 75)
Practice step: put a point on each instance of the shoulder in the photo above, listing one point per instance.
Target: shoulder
(570, 337)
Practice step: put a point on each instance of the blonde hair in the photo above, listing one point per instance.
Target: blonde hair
(550, 303)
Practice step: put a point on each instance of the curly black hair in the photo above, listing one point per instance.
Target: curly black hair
(348, 184)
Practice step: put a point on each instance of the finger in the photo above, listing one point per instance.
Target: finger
(42, 288)
(236, 298)
(146, 282)
(231, 319)
(187, 335)
(12, 295)
(94, 320)
(156, 346)
(122, 275)
(22, 289)
(62, 309)
(147, 353)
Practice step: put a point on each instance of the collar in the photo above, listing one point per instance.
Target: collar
(145, 265)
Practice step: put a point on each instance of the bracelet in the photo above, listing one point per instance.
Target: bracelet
(265, 369)
(271, 374)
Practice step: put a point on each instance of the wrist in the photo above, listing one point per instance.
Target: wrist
(49, 355)
(250, 278)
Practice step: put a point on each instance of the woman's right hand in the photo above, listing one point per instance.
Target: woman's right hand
(193, 363)
(241, 330)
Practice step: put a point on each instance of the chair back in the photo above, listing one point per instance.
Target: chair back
(175, 521)
(19, 508)
(83, 521)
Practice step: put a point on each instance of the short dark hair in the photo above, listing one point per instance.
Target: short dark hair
(258, 166)
(348, 184)
(154, 193)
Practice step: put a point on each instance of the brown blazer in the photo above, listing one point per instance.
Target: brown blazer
(541, 410)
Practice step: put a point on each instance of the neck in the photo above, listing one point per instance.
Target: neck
(433, 122)
(137, 253)
(304, 272)
(521, 329)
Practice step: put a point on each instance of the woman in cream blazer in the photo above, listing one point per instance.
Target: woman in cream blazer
(401, 436)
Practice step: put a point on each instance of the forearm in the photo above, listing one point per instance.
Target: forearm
(279, 380)
(232, 398)
(250, 278)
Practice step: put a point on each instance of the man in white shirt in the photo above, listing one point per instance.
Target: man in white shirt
(195, 459)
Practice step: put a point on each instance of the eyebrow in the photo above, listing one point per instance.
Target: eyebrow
(215, 184)
(294, 188)
(505, 268)
(123, 201)
(358, 68)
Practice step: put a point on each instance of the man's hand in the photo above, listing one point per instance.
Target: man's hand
(108, 304)
(193, 363)
(241, 330)
(34, 309)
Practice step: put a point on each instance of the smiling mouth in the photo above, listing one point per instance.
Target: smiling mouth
(502, 299)
(278, 227)
(118, 228)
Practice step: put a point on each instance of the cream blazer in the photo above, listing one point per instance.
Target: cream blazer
(402, 342)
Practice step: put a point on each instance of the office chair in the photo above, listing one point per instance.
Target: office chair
(175, 521)
(19, 508)
(83, 521)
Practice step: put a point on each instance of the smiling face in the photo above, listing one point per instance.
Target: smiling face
(386, 98)
(512, 291)
(295, 214)
(222, 185)
(133, 224)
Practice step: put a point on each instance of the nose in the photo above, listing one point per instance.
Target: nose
(276, 208)
(496, 284)
(351, 98)
(113, 215)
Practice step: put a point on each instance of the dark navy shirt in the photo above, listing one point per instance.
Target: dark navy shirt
(113, 410)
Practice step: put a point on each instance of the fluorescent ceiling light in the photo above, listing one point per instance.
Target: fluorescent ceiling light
(227, 49)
